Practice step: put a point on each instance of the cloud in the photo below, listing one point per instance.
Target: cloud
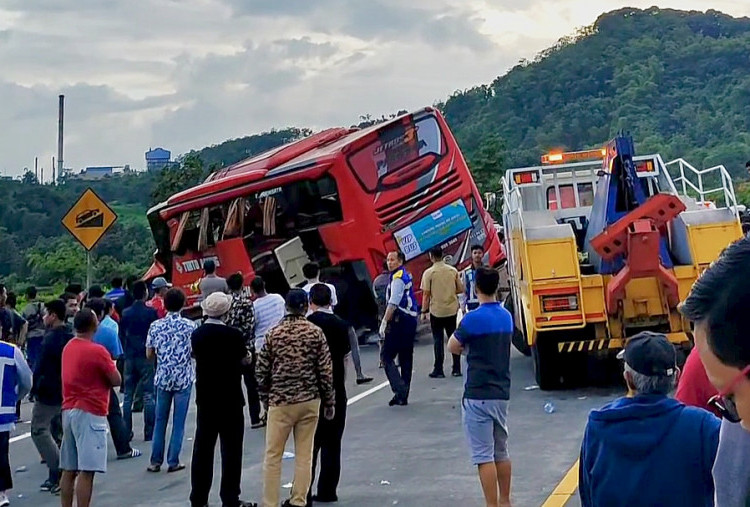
(189, 73)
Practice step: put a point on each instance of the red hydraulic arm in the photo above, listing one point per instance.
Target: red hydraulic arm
(636, 235)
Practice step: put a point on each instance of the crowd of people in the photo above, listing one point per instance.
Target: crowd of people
(289, 353)
(646, 448)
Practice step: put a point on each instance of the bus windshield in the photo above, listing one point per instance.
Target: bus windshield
(377, 164)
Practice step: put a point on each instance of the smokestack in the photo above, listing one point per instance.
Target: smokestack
(59, 140)
(53, 171)
(42, 180)
(36, 168)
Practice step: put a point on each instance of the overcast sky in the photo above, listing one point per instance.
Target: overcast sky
(184, 74)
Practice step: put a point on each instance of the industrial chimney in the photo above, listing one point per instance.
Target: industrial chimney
(59, 140)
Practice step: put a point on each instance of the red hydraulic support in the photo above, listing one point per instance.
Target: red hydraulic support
(660, 209)
(637, 236)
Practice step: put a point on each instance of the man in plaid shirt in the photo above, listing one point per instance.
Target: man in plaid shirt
(242, 316)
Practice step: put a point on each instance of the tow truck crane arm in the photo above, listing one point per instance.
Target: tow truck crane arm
(630, 245)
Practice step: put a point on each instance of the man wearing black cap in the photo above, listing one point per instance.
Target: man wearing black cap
(295, 382)
(648, 448)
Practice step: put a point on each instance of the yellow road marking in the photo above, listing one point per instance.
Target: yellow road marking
(565, 489)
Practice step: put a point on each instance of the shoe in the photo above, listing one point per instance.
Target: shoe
(55, 490)
(437, 374)
(175, 468)
(456, 374)
(364, 380)
(397, 401)
(241, 503)
(260, 424)
(134, 453)
(4, 502)
(153, 469)
(325, 499)
(47, 485)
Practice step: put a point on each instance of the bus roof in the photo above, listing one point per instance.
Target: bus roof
(297, 155)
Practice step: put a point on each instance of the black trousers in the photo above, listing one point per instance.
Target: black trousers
(227, 424)
(327, 444)
(251, 386)
(6, 480)
(399, 341)
(120, 433)
(442, 327)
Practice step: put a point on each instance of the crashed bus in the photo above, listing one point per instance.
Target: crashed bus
(343, 198)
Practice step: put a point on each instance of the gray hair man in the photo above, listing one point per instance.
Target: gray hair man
(647, 448)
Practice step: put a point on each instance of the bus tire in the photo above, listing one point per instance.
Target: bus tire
(546, 364)
(519, 337)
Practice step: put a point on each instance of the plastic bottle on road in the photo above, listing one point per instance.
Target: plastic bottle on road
(549, 407)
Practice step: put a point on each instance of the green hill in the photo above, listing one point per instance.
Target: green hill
(678, 81)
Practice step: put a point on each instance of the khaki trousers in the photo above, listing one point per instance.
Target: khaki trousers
(302, 419)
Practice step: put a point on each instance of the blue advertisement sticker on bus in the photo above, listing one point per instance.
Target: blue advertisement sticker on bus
(434, 229)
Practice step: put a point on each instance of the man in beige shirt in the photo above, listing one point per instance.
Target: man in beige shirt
(441, 286)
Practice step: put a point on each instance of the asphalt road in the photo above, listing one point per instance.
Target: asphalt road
(409, 456)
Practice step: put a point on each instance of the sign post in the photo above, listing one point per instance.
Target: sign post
(87, 221)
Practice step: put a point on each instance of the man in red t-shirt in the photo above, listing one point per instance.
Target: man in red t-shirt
(160, 287)
(693, 387)
(88, 374)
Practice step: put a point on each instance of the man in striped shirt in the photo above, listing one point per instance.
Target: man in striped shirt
(269, 310)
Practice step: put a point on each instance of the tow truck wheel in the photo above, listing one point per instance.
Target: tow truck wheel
(519, 337)
(546, 365)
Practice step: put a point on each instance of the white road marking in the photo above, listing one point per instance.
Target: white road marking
(20, 437)
(351, 401)
(367, 393)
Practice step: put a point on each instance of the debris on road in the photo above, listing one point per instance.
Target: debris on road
(385, 483)
(531, 388)
(549, 407)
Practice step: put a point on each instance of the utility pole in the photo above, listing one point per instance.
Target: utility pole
(36, 168)
(53, 171)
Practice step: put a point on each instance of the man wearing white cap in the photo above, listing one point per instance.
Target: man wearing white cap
(220, 355)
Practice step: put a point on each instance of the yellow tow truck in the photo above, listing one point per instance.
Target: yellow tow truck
(601, 245)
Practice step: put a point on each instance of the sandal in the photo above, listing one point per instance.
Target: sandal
(153, 468)
(134, 453)
(176, 468)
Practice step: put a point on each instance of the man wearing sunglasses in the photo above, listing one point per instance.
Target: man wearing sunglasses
(718, 307)
(648, 448)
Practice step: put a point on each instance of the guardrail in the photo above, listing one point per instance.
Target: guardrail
(726, 188)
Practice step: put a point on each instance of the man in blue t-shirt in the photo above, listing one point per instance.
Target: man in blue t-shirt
(484, 336)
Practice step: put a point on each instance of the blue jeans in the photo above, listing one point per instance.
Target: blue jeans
(140, 370)
(164, 401)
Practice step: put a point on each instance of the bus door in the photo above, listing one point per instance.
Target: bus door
(291, 256)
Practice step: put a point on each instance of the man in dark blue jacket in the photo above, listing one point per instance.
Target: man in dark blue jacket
(134, 326)
(647, 448)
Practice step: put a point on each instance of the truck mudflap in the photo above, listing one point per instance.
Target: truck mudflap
(611, 343)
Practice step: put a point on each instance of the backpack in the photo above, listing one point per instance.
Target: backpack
(36, 321)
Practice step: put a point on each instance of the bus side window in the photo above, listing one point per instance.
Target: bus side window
(186, 237)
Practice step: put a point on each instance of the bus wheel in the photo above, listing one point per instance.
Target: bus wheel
(546, 364)
(519, 337)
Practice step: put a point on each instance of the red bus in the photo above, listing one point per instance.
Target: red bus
(342, 198)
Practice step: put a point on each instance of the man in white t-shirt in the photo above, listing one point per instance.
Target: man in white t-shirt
(311, 272)
(269, 310)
